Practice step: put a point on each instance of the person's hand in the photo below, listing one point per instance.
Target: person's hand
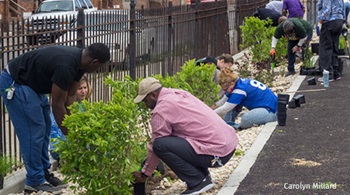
(296, 48)
(139, 177)
(344, 27)
(272, 52)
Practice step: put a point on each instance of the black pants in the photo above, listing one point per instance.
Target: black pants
(329, 43)
(179, 155)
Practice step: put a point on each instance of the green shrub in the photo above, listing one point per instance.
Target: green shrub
(105, 144)
(6, 164)
(198, 80)
(257, 36)
(108, 141)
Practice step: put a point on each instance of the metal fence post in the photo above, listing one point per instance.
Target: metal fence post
(81, 28)
(132, 40)
(196, 30)
(170, 68)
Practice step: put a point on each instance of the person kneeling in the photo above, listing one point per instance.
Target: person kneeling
(254, 95)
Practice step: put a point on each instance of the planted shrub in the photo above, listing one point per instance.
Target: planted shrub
(105, 144)
(257, 36)
(198, 80)
(108, 141)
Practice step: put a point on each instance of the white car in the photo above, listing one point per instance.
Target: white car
(53, 15)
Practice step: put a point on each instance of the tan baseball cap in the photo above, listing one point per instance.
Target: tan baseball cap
(146, 86)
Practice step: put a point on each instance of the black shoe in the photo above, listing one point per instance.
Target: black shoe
(45, 187)
(289, 73)
(205, 185)
(54, 180)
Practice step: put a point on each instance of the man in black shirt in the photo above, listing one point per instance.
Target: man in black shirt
(264, 14)
(24, 83)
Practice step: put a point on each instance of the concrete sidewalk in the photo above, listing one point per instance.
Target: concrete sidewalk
(310, 155)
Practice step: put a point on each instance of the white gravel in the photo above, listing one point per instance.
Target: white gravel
(219, 175)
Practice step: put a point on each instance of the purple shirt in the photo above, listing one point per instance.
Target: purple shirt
(180, 114)
(294, 7)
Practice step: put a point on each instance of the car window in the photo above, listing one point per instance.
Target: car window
(89, 3)
(77, 4)
(83, 4)
(52, 6)
(106, 22)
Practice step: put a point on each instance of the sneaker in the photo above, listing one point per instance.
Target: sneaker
(54, 180)
(289, 74)
(320, 79)
(45, 187)
(337, 78)
(205, 185)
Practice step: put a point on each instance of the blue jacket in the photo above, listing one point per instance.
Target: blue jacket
(329, 10)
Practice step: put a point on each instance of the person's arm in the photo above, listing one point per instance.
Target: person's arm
(224, 109)
(71, 98)
(160, 128)
(284, 12)
(61, 99)
(324, 11)
(219, 103)
(284, 9)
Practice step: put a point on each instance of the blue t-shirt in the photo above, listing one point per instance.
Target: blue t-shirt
(252, 94)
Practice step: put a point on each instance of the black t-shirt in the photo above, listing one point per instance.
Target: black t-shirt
(40, 68)
(264, 13)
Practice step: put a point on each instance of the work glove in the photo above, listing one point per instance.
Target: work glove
(139, 177)
(272, 51)
(296, 48)
(344, 30)
(344, 26)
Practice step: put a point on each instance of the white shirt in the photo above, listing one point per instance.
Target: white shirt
(275, 5)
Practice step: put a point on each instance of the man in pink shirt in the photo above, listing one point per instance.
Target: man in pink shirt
(187, 135)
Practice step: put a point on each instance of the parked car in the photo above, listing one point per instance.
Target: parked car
(112, 27)
(48, 22)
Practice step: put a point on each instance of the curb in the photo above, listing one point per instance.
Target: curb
(14, 183)
(232, 184)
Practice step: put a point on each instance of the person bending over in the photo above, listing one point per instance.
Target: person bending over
(187, 135)
(254, 95)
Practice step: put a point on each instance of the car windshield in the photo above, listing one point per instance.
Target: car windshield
(52, 6)
(106, 22)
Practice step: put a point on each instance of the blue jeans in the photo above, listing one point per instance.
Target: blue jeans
(231, 116)
(30, 115)
(256, 116)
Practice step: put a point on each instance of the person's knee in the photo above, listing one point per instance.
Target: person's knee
(158, 146)
(246, 121)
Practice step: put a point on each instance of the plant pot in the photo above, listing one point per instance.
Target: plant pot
(139, 188)
(310, 71)
(314, 48)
